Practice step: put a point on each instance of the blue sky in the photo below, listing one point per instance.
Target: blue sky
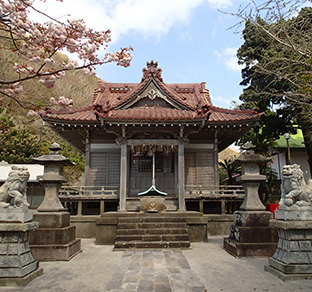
(190, 39)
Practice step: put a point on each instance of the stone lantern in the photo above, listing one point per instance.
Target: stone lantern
(251, 235)
(251, 178)
(52, 178)
(55, 239)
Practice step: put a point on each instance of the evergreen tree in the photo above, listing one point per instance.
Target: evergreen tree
(17, 144)
(279, 76)
(230, 168)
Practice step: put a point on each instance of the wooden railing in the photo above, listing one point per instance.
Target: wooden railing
(221, 191)
(89, 191)
(191, 191)
(228, 195)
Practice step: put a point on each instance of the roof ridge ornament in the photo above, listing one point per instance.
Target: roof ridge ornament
(152, 71)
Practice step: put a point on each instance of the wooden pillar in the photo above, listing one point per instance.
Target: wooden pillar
(181, 177)
(201, 205)
(123, 178)
(223, 206)
(87, 162)
(102, 206)
(216, 164)
(79, 208)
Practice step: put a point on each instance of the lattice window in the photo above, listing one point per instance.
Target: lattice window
(164, 162)
(141, 162)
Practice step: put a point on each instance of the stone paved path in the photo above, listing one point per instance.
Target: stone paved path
(154, 271)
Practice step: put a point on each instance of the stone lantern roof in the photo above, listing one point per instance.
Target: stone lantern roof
(54, 156)
(249, 156)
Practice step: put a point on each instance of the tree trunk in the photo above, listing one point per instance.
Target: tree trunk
(230, 175)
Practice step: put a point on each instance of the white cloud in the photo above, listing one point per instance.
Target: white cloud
(221, 101)
(228, 57)
(122, 16)
(220, 3)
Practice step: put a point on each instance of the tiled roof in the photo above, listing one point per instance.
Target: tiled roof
(116, 94)
(225, 115)
(188, 101)
(151, 114)
(84, 114)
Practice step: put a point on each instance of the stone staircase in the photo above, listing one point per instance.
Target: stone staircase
(151, 231)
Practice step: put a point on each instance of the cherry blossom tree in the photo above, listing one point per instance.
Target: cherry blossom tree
(36, 44)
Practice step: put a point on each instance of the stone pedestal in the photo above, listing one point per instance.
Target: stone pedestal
(20, 215)
(251, 235)
(293, 257)
(17, 264)
(54, 240)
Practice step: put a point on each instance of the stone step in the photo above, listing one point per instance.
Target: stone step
(153, 237)
(151, 219)
(151, 225)
(119, 215)
(151, 244)
(152, 231)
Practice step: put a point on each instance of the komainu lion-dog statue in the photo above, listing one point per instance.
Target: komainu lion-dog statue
(294, 191)
(13, 193)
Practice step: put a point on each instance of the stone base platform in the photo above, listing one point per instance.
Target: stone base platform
(17, 214)
(54, 240)
(292, 259)
(17, 264)
(287, 277)
(56, 252)
(22, 281)
(238, 249)
(251, 235)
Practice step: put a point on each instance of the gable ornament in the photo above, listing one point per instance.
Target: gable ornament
(152, 94)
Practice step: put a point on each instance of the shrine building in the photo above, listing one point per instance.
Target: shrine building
(149, 136)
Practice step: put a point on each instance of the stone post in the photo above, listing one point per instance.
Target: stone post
(293, 257)
(17, 264)
(251, 235)
(55, 239)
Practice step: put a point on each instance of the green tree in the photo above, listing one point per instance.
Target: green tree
(262, 141)
(17, 144)
(231, 168)
(266, 189)
(278, 66)
(74, 173)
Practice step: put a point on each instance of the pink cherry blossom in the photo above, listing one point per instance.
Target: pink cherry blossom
(37, 43)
